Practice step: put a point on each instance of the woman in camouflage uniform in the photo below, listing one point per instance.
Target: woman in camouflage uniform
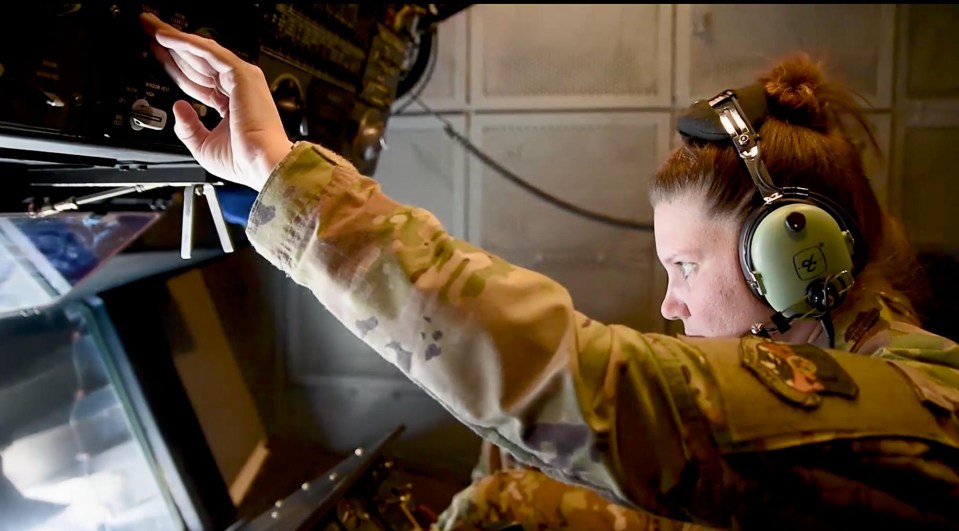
(800, 144)
(715, 428)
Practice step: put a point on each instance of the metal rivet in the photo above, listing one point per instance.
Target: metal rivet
(278, 504)
(274, 515)
(358, 452)
(305, 486)
(333, 476)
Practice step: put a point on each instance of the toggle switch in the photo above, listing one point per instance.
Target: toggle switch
(143, 116)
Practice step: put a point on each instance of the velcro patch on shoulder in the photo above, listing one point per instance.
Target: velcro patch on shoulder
(941, 398)
(798, 374)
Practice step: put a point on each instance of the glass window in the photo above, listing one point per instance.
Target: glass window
(72, 454)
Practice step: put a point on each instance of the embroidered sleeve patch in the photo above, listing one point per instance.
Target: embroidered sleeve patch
(799, 374)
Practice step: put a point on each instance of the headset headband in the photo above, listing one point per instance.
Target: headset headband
(723, 117)
(746, 141)
(700, 120)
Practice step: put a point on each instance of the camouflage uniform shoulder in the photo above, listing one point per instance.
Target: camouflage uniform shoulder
(762, 395)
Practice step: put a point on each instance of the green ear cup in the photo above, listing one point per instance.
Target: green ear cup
(792, 247)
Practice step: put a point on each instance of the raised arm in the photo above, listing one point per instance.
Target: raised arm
(500, 346)
(710, 431)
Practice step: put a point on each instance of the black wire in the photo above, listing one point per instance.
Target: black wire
(826, 319)
(518, 181)
(428, 75)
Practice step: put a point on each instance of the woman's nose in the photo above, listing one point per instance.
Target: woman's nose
(673, 308)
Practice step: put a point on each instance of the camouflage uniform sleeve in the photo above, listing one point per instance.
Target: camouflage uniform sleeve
(534, 501)
(492, 459)
(501, 347)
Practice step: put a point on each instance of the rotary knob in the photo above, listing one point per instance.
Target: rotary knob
(369, 141)
(288, 96)
(795, 221)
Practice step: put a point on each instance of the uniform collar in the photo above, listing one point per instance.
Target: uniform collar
(870, 313)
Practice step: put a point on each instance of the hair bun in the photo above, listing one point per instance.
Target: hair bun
(794, 89)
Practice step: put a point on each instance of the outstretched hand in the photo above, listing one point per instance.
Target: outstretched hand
(250, 140)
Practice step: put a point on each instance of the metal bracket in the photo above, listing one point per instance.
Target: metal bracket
(74, 203)
(186, 237)
(189, 194)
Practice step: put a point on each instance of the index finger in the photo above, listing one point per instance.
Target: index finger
(221, 59)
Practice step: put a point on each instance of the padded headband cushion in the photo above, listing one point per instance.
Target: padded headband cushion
(699, 120)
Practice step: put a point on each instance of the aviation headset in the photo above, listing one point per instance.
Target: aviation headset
(798, 250)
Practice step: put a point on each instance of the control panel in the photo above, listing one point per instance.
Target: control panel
(80, 79)
(85, 104)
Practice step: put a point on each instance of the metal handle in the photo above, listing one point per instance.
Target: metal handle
(218, 221)
(186, 238)
(186, 235)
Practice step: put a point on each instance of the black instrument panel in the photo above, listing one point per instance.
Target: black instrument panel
(79, 79)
